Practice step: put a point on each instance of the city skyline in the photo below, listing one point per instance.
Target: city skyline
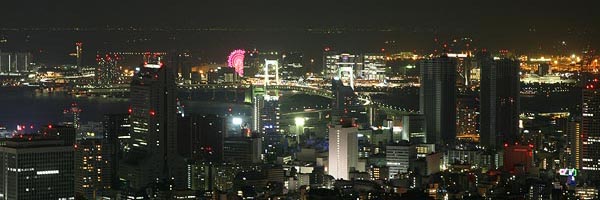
(299, 100)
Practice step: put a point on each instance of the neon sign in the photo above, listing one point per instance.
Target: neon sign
(567, 172)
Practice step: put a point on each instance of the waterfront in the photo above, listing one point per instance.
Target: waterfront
(26, 106)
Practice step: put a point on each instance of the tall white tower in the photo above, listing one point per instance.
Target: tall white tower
(343, 151)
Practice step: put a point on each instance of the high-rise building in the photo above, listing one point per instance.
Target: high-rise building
(345, 103)
(500, 88)
(201, 137)
(373, 67)
(398, 156)
(343, 150)
(243, 150)
(543, 69)
(573, 146)
(413, 128)
(182, 62)
(66, 133)
(342, 65)
(36, 168)
(590, 130)
(292, 65)
(91, 178)
(107, 71)
(151, 151)
(114, 138)
(269, 115)
(438, 99)
(467, 117)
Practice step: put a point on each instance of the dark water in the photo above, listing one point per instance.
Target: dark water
(26, 106)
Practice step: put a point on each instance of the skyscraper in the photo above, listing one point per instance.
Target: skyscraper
(91, 178)
(182, 62)
(201, 137)
(590, 130)
(500, 87)
(116, 134)
(398, 157)
(342, 65)
(243, 150)
(151, 151)
(345, 103)
(438, 99)
(107, 72)
(343, 149)
(36, 168)
(269, 115)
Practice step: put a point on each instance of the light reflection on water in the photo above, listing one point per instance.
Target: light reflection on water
(28, 107)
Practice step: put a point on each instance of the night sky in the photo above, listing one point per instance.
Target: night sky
(525, 26)
(470, 15)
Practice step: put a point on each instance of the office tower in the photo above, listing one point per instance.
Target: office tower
(413, 127)
(342, 65)
(91, 177)
(79, 53)
(438, 99)
(464, 64)
(67, 133)
(500, 88)
(36, 168)
(201, 176)
(269, 115)
(201, 137)
(292, 65)
(590, 130)
(343, 149)
(182, 62)
(151, 151)
(107, 71)
(543, 69)
(243, 150)
(373, 67)
(573, 146)
(467, 117)
(114, 138)
(345, 103)
(398, 156)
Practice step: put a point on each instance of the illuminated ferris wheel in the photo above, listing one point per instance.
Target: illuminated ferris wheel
(236, 61)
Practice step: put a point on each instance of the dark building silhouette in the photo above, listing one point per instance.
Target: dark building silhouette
(500, 87)
(67, 133)
(345, 103)
(438, 99)
(36, 167)
(150, 153)
(116, 133)
(590, 130)
(201, 137)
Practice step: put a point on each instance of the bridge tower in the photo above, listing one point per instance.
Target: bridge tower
(346, 73)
